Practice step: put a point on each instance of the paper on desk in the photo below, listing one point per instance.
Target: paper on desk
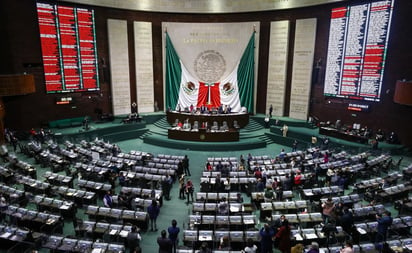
(123, 233)
(311, 236)
(298, 237)
(362, 231)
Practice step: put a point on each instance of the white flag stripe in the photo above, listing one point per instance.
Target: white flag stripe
(187, 97)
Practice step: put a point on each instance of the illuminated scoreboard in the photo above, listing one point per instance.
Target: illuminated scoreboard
(68, 43)
(358, 40)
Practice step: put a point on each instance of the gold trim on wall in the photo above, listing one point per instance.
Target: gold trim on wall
(203, 6)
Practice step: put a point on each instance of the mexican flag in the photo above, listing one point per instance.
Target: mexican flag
(234, 90)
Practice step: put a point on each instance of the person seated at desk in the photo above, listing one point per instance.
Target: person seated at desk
(225, 109)
(204, 248)
(223, 207)
(313, 248)
(224, 243)
(208, 167)
(298, 248)
(179, 125)
(348, 248)
(108, 199)
(250, 246)
(123, 180)
(187, 126)
(239, 198)
(205, 125)
(393, 138)
(380, 135)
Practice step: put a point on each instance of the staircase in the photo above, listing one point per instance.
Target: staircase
(157, 128)
(255, 130)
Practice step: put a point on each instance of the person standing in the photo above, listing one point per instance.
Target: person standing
(165, 244)
(346, 220)
(295, 146)
(328, 210)
(182, 187)
(283, 236)
(267, 120)
(133, 239)
(166, 186)
(189, 189)
(14, 142)
(285, 129)
(266, 235)
(185, 163)
(174, 234)
(270, 110)
(180, 170)
(153, 211)
(384, 222)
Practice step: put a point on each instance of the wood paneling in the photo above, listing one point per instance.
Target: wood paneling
(21, 44)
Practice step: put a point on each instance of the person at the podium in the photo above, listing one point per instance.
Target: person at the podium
(229, 109)
(203, 109)
(220, 110)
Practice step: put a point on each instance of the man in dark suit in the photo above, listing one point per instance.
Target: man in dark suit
(165, 244)
(384, 222)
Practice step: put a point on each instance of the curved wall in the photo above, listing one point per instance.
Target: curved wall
(20, 49)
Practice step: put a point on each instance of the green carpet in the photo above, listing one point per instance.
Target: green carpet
(176, 208)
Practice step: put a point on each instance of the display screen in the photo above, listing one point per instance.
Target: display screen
(358, 40)
(68, 43)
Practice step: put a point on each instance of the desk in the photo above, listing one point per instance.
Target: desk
(241, 118)
(203, 135)
(342, 135)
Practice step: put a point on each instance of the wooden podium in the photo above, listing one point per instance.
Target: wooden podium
(13, 85)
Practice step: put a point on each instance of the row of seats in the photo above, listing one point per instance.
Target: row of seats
(138, 218)
(66, 244)
(213, 208)
(65, 208)
(58, 179)
(80, 197)
(31, 219)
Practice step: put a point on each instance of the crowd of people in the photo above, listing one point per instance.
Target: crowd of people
(273, 235)
(203, 109)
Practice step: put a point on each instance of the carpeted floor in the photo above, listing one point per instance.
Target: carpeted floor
(176, 208)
